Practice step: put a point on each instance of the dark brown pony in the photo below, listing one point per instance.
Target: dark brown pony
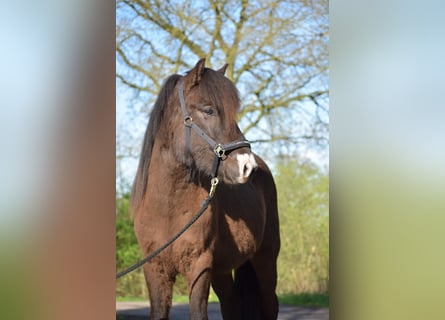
(239, 231)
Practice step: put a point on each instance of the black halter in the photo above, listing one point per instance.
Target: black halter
(218, 148)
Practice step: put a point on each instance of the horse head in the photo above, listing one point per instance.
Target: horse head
(209, 102)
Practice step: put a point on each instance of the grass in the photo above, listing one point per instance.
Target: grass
(303, 299)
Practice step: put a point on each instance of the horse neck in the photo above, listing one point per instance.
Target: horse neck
(170, 176)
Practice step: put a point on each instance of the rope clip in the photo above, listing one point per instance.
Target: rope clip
(214, 182)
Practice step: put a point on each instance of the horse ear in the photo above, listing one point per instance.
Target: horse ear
(223, 69)
(196, 73)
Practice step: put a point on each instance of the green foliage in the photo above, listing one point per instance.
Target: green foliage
(127, 252)
(303, 197)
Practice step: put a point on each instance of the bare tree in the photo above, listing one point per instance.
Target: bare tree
(276, 51)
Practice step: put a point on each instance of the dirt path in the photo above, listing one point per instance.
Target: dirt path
(140, 311)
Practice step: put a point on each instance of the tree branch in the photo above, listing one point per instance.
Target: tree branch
(174, 31)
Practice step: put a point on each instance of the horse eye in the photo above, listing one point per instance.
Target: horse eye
(209, 111)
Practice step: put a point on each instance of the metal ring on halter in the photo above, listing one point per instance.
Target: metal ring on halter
(188, 121)
(219, 151)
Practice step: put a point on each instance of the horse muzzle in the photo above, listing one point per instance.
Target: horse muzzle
(238, 167)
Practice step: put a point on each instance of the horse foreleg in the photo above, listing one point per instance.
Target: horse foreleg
(228, 296)
(198, 279)
(160, 287)
(266, 272)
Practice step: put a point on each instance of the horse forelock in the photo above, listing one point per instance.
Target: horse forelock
(222, 94)
(140, 182)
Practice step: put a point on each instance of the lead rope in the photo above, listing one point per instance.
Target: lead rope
(214, 183)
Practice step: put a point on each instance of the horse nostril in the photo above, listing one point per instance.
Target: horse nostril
(247, 169)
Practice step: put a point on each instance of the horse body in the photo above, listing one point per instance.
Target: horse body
(239, 230)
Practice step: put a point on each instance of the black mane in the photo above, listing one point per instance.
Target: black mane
(140, 182)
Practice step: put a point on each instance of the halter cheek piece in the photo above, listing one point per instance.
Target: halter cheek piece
(219, 149)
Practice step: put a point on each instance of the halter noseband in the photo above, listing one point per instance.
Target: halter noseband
(218, 148)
